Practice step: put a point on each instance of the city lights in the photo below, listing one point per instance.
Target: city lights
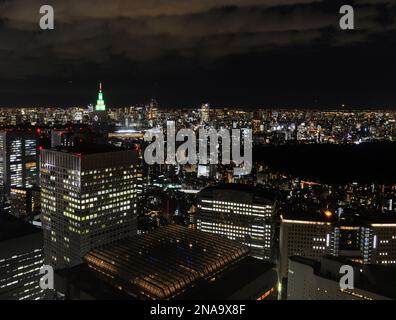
(202, 157)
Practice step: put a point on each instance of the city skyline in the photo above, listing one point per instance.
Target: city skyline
(118, 227)
(222, 151)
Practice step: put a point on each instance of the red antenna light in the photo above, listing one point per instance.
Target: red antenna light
(100, 86)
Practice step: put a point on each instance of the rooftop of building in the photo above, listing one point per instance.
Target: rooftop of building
(14, 131)
(164, 263)
(223, 285)
(84, 280)
(349, 216)
(259, 193)
(89, 148)
(12, 227)
(379, 279)
(33, 188)
(382, 218)
(321, 215)
(236, 277)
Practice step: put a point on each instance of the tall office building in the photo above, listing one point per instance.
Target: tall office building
(18, 160)
(100, 124)
(205, 117)
(100, 104)
(362, 237)
(77, 135)
(25, 203)
(378, 241)
(304, 234)
(152, 110)
(58, 138)
(88, 199)
(21, 257)
(241, 213)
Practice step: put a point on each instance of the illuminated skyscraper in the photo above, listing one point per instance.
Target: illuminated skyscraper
(18, 160)
(205, 113)
(152, 112)
(378, 242)
(240, 213)
(310, 235)
(25, 203)
(88, 199)
(100, 104)
(100, 123)
(370, 239)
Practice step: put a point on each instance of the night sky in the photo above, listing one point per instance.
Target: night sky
(250, 53)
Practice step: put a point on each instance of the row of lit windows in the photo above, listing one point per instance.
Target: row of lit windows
(234, 210)
(104, 170)
(236, 233)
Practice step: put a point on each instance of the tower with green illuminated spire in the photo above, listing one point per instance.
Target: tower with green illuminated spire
(100, 104)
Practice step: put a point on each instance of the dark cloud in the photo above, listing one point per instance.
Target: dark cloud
(161, 41)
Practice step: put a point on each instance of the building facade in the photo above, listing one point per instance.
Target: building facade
(240, 213)
(320, 280)
(378, 242)
(88, 199)
(18, 160)
(370, 239)
(21, 257)
(25, 203)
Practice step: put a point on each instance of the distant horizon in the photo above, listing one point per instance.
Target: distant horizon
(246, 107)
(212, 107)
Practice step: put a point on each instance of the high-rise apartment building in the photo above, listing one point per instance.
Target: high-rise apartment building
(241, 213)
(88, 199)
(18, 160)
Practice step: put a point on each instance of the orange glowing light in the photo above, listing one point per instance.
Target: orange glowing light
(328, 213)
